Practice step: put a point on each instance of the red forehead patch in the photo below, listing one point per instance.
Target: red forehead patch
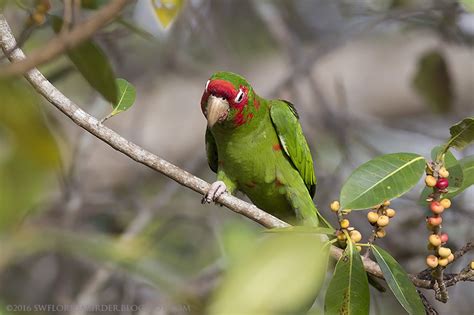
(225, 89)
(222, 88)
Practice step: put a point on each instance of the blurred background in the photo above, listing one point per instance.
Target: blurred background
(82, 224)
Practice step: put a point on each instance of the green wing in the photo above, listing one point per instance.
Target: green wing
(288, 128)
(211, 151)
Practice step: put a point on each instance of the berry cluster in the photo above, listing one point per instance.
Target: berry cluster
(437, 178)
(38, 16)
(380, 218)
(345, 227)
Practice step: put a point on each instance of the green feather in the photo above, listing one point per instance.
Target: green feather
(211, 150)
(285, 120)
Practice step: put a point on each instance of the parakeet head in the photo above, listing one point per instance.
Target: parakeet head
(228, 100)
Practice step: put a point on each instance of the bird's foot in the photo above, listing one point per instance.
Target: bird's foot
(216, 189)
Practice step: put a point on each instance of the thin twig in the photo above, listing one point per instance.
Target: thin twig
(67, 17)
(429, 309)
(63, 42)
(89, 293)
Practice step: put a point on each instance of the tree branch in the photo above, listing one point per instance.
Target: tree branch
(65, 40)
(92, 125)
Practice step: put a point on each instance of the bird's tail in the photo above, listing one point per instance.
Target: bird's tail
(306, 211)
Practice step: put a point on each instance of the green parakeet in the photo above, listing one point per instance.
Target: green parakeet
(257, 146)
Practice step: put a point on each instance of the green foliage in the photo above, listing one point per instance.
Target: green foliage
(467, 165)
(468, 5)
(383, 178)
(237, 239)
(127, 95)
(93, 65)
(462, 134)
(432, 81)
(29, 154)
(398, 281)
(348, 291)
(138, 255)
(281, 274)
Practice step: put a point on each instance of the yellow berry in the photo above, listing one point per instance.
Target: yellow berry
(443, 262)
(372, 216)
(359, 248)
(446, 203)
(38, 18)
(435, 240)
(443, 172)
(430, 181)
(345, 223)
(451, 258)
(444, 252)
(383, 221)
(355, 236)
(335, 206)
(380, 233)
(340, 235)
(386, 203)
(390, 212)
(432, 261)
(472, 265)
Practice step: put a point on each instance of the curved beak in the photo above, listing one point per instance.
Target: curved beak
(217, 110)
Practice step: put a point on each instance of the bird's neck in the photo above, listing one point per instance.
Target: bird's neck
(252, 120)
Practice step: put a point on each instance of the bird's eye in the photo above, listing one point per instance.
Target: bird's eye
(239, 97)
(207, 84)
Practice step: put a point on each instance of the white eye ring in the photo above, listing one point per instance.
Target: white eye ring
(239, 97)
(207, 84)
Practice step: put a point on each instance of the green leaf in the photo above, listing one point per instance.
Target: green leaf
(282, 274)
(432, 81)
(127, 95)
(93, 64)
(383, 178)
(302, 229)
(468, 5)
(236, 239)
(29, 154)
(462, 134)
(398, 281)
(348, 291)
(467, 165)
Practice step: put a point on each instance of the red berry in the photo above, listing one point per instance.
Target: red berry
(442, 183)
(444, 237)
(435, 221)
(436, 207)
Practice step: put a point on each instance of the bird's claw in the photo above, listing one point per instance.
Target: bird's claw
(214, 192)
